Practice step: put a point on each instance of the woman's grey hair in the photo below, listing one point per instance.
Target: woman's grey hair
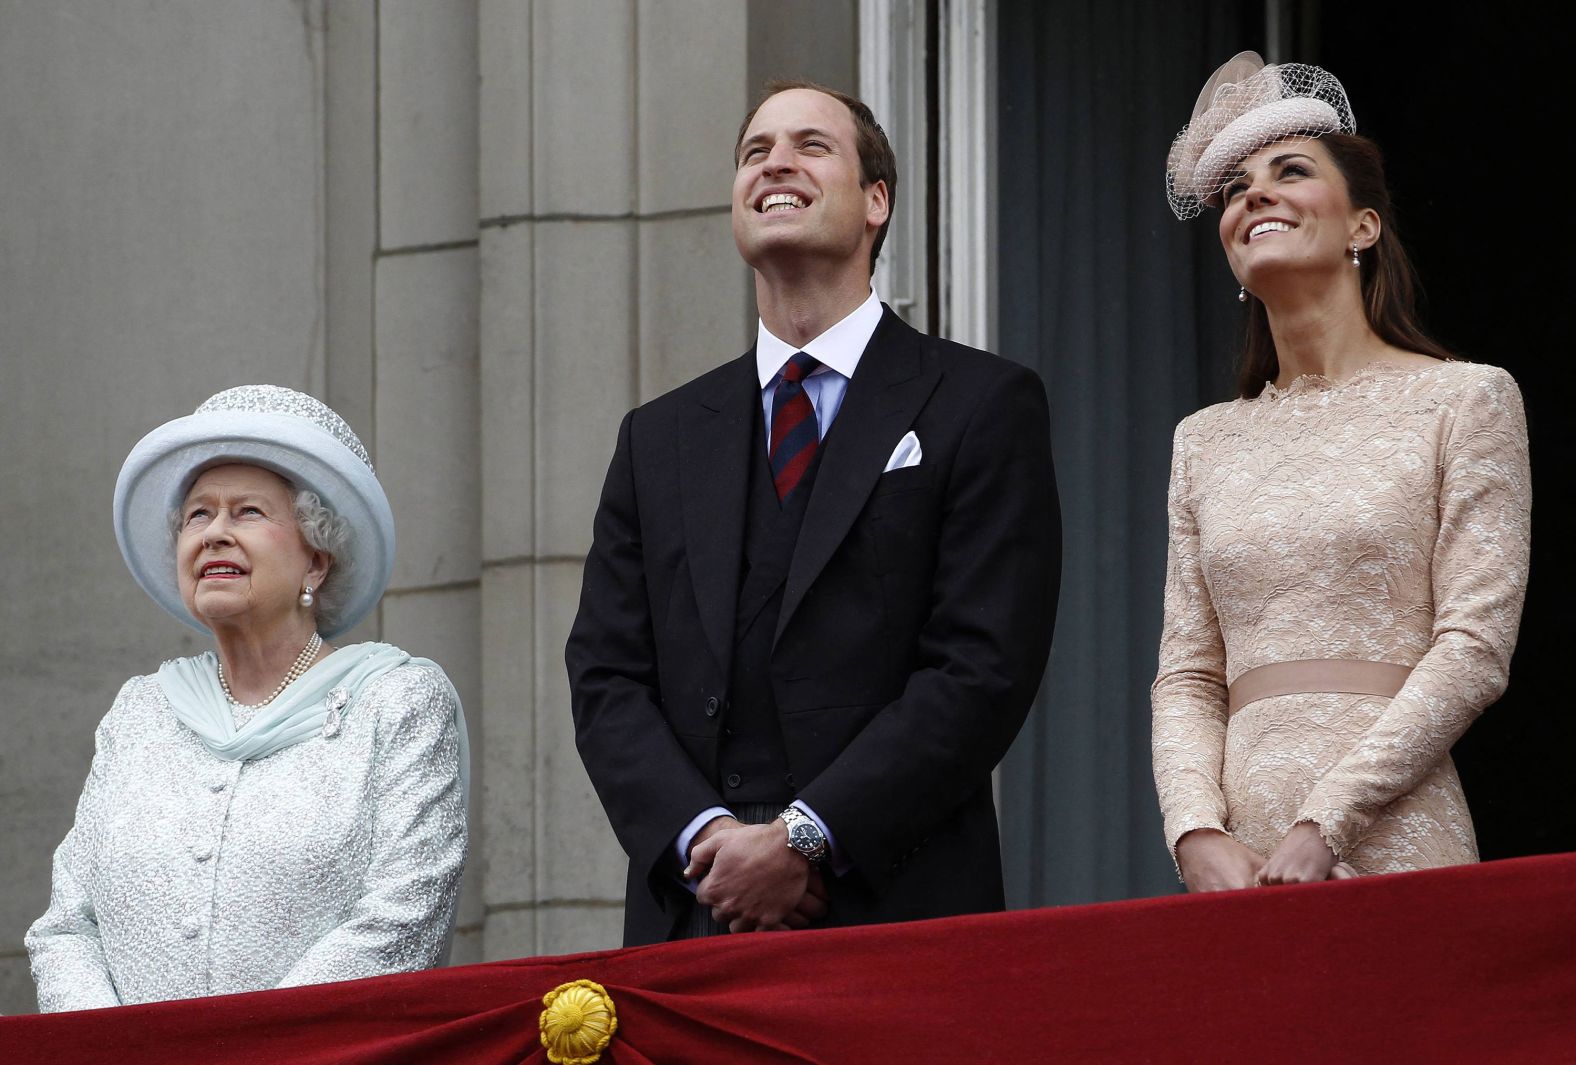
(324, 531)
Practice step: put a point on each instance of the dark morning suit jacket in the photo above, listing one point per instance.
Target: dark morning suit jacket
(910, 637)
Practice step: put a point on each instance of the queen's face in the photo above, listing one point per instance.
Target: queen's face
(1287, 209)
(239, 554)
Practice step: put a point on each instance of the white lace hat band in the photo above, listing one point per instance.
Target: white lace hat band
(1244, 106)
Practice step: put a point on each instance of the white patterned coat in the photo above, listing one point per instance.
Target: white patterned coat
(187, 875)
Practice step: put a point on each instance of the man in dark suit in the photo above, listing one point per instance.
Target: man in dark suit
(820, 595)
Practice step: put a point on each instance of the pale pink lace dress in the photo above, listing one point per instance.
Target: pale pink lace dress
(1384, 519)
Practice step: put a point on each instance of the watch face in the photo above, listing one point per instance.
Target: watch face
(804, 837)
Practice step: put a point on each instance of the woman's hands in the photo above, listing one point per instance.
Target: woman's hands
(1212, 861)
(1302, 858)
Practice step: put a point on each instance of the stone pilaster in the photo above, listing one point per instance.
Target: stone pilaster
(608, 276)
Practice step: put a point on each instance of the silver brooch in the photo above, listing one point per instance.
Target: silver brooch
(335, 702)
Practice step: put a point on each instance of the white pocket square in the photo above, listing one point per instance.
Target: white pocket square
(906, 454)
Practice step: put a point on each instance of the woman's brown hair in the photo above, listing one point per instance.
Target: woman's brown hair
(1389, 281)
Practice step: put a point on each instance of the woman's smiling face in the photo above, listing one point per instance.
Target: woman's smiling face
(1287, 208)
(239, 555)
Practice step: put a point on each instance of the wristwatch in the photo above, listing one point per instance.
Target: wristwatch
(804, 835)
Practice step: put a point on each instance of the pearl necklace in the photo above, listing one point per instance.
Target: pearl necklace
(299, 667)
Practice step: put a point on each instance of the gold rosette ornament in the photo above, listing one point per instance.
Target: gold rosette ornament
(578, 1023)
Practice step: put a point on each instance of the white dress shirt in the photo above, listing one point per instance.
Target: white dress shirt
(838, 350)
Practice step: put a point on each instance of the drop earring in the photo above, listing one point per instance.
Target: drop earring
(1355, 260)
(307, 598)
(1242, 294)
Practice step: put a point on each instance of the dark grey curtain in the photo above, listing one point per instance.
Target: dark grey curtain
(1131, 319)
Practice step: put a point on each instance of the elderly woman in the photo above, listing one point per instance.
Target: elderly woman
(1348, 538)
(280, 812)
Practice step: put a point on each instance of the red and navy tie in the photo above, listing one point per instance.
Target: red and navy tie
(795, 434)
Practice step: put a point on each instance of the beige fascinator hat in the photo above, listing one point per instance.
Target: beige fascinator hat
(1244, 106)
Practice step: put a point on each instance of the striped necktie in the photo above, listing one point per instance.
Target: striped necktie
(795, 434)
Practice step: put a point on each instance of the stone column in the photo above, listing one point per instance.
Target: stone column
(608, 276)
(404, 290)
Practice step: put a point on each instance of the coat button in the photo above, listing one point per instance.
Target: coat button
(191, 928)
(217, 786)
(789, 780)
(712, 706)
(734, 780)
(201, 852)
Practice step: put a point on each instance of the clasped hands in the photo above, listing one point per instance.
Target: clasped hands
(752, 880)
(1213, 861)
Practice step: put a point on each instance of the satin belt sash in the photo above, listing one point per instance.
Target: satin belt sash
(1347, 676)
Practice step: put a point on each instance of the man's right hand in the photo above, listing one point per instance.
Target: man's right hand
(1210, 860)
(812, 906)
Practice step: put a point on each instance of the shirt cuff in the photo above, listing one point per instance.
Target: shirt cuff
(691, 830)
(835, 857)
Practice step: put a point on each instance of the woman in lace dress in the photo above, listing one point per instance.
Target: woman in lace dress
(280, 812)
(1348, 538)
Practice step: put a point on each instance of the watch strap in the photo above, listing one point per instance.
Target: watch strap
(800, 826)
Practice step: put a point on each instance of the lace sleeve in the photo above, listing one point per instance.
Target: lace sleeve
(1479, 578)
(1189, 694)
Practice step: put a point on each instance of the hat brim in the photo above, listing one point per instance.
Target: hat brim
(160, 469)
(1249, 132)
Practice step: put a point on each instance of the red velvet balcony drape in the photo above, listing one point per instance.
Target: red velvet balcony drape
(1472, 964)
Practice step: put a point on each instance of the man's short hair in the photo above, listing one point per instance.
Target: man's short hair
(876, 161)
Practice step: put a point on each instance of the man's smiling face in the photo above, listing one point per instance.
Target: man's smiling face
(797, 190)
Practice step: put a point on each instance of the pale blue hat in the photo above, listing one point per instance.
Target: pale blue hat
(292, 434)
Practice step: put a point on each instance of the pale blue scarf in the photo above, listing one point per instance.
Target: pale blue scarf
(313, 705)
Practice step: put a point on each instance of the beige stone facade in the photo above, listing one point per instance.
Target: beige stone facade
(481, 229)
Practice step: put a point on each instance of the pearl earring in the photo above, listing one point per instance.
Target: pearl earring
(307, 598)
(1355, 260)
(1242, 294)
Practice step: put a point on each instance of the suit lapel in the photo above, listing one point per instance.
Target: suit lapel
(714, 455)
(887, 391)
